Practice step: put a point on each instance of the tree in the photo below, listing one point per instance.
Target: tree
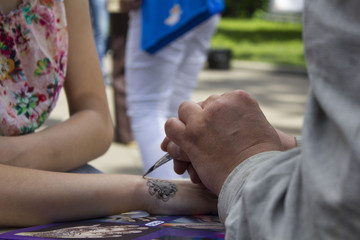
(243, 8)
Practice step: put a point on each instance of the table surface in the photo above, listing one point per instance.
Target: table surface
(5, 229)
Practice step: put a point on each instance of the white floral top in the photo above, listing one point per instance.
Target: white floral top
(33, 58)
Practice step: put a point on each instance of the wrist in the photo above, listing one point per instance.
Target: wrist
(158, 195)
(242, 157)
(141, 195)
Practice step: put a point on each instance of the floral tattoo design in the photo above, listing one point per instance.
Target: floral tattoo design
(163, 190)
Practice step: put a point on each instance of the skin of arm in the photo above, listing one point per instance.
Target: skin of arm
(89, 128)
(32, 197)
(217, 135)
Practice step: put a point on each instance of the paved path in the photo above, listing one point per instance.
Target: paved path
(281, 93)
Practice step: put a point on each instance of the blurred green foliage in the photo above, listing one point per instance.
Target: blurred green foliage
(244, 8)
(261, 40)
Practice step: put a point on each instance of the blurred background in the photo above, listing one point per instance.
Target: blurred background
(262, 31)
(257, 47)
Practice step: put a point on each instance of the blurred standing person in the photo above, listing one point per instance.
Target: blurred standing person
(100, 19)
(118, 31)
(157, 83)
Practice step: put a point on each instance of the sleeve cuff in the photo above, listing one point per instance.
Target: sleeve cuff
(234, 183)
(298, 140)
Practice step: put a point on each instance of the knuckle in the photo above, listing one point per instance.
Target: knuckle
(184, 109)
(169, 122)
(209, 100)
(245, 98)
(170, 125)
(213, 97)
(183, 106)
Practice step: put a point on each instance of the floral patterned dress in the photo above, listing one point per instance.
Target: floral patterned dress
(33, 58)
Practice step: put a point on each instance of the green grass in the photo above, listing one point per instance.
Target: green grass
(261, 40)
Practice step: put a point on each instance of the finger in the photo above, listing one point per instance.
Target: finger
(187, 110)
(180, 167)
(174, 129)
(177, 153)
(209, 101)
(203, 186)
(164, 144)
(193, 175)
(174, 150)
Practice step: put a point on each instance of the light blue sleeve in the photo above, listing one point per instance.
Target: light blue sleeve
(313, 191)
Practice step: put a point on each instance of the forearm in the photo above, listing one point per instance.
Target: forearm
(30, 197)
(70, 144)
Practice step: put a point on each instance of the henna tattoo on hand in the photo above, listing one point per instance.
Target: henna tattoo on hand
(163, 190)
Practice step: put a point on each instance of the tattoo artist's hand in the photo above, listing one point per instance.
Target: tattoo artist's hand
(215, 136)
(182, 163)
(128, 5)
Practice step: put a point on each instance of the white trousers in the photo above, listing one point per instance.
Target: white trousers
(157, 84)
